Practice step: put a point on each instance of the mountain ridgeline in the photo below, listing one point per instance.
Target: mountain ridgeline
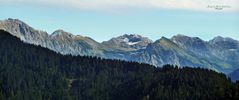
(219, 54)
(31, 72)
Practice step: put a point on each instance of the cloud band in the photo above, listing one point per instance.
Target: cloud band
(197, 5)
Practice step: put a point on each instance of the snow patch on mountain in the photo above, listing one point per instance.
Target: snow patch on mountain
(126, 40)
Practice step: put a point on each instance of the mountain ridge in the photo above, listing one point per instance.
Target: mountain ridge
(19, 21)
(219, 54)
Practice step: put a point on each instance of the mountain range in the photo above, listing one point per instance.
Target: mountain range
(30, 72)
(219, 54)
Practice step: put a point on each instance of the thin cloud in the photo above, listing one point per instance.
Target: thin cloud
(198, 5)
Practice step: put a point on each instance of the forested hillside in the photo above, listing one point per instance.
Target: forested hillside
(29, 72)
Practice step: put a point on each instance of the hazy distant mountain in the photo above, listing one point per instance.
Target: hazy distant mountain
(220, 54)
(234, 75)
(212, 52)
(193, 44)
(164, 51)
(228, 49)
(128, 42)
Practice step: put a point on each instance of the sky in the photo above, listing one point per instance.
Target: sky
(104, 19)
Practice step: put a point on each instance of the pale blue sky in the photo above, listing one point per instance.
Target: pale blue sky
(103, 24)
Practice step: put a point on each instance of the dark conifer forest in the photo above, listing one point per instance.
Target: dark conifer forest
(29, 72)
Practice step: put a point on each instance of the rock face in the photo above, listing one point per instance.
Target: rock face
(220, 54)
(25, 32)
(59, 41)
(67, 43)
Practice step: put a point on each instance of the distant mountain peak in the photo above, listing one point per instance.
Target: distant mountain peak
(180, 35)
(22, 30)
(131, 39)
(15, 23)
(59, 30)
(234, 75)
(184, 37)
(128, 41)
(132, 36)
(135, 38)
(220, 38)
(14, 20)
(163, 38)
(192, 44)
(163, 41)
(61, 33)
(224, 42)
(179, 38)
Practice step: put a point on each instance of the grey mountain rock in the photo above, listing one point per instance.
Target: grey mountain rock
(59, 41)
(192, 44)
